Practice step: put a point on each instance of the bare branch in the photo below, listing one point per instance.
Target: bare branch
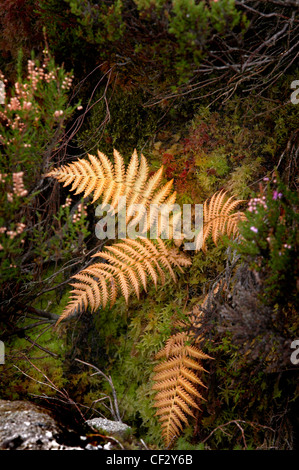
(115, 410)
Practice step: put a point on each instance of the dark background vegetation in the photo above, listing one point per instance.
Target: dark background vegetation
(203, 88)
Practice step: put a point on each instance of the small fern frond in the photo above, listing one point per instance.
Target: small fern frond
(219, 218)
(176, 383)
(111, 182)
(126, 269)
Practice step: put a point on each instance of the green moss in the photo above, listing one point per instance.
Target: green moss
(129, 125)
(204, 148)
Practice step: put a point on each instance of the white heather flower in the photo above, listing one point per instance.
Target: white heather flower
(14, 104)
(27, 105)
(18, 185)
(58, 113)
(20, 227)
(11, 234)
(68, 202)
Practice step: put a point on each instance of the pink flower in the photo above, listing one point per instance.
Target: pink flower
(276, 195)
(27, 105)
(20, 227)
(14, 104)
(58, 113)
(18, 185)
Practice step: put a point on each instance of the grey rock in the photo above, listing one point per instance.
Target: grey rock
(113, 428)
(90, 447)
(25, 426)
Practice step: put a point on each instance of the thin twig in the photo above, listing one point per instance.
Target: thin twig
(237, 423)
(115, 410)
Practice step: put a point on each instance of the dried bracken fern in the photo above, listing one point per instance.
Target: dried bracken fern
(219, 218)
(177, 378)
(174, 379)
(127, 266)
(177, 381)
(119, 187)
(125, 269)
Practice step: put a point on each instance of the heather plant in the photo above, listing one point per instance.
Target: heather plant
(248, 325)
(36, 108)
(271, 239)
(170, 49)
(32, 125)
(184, 29)
(143, 67)
(42, 232)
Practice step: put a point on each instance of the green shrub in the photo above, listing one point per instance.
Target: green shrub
(271, 239)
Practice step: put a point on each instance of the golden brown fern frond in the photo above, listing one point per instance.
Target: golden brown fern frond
(176, 382)
(126, 268)
(219, 218)
(112, 182)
